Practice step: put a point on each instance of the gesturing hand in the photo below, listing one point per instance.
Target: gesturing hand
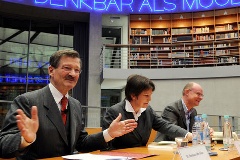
(118, 128)
(28, 127)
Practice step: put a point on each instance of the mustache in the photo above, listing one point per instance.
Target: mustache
(69, 77)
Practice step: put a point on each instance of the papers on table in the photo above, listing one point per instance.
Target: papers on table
(108, 155)
(166, 142)
(89, 156)
(168, 145)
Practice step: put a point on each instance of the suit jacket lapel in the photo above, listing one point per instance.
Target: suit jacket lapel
(182, 113)
(193, 114)
(52, 114)
(73, 122)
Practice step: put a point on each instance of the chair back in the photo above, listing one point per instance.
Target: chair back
(93, 130)
(152, 136)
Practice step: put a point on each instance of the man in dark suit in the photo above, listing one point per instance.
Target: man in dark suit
(182, 111)
(34, 128)
(138, 92)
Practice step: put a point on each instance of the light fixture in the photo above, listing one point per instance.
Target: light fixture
(160, 17)
(225, 13)
(203, 15)
(113, 18)
(139, 18)
(181, 17)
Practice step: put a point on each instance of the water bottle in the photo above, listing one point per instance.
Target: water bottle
(195, 131)
(206, 133)
(227, 132)
(200, 130)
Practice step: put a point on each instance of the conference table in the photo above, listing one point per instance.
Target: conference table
(164, 154)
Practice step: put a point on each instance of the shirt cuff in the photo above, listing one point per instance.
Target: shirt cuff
(106, 136)
(24, 143)
(187, 137)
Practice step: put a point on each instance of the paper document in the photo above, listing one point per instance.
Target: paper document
(127, 154)
(89, 156)
(165, 145)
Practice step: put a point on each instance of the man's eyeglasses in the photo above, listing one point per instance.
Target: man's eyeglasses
(69, 69)
(197, 93)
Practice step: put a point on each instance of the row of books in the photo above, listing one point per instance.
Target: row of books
(145, 39)
(181, 31)
(139, 56)
(138, 31)
(227, 35)
(181, 38)
(159, 48)
(163, 40)
(139, 40)
(202, 53)
(203, 47)
(161, 62)
(223, 45)
(178, 55)
(203, 37)
(174, 31)
(159, 55)
(160, 31)
(228, 60)
(222, 52)
(201, 30)
(226, 27)
(182, 47)
(196, 48)
(182, 61)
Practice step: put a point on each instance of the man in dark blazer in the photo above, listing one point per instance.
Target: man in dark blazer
(138, 91)
(182, 111)
(33, 127)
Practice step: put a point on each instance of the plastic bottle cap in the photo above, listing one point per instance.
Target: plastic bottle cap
(226, 116)
(204, 115)
(196, 118)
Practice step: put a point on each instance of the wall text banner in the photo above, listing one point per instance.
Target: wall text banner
(131, 6)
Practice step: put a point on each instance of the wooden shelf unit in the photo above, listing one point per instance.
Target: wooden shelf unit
(206, 38)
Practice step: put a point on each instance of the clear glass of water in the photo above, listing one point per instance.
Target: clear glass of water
(181, 142)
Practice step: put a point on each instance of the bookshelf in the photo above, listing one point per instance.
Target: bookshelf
(206, 38)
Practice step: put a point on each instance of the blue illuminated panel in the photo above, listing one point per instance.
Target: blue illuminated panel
(132, 6)
(18, 79)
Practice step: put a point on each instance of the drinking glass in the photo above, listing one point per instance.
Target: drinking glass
(181, 142)
(232, 150)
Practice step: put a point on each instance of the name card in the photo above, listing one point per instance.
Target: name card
(198, 152)
(237, 145)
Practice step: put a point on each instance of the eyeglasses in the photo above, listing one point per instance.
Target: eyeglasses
(69, 69)
(197, 93)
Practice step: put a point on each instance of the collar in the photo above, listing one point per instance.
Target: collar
(56, 94)
(186, 109)
(129, 108)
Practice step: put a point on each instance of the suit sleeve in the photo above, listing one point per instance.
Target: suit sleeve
(170, 115)
(88, 143)
(110, 115)
(108, 118)
(10, 136)
(167, 129)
